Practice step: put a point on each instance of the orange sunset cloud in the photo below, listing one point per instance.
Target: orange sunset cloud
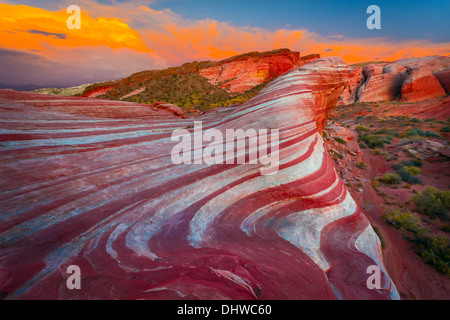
(129, 37)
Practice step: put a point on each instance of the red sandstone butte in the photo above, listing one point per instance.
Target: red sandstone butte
(104, 194)
(384, 81)
(421, 85)
(242, 73)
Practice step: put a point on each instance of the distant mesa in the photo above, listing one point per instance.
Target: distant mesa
(210, 84)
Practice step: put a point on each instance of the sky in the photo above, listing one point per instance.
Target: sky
(118, 38)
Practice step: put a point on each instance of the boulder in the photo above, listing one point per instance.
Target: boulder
(421, 85)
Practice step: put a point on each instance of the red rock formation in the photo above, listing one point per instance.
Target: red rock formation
(103, 194)
(421, 85)
(444, 78)
(236, 74)
(98, 91)
(242, 73)
(383, 82)
(348, 96)
(308, 59)
(173, 109)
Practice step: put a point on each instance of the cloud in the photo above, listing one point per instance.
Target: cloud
(180, 40)
(49, 53)
(119, 38)
(71, 66)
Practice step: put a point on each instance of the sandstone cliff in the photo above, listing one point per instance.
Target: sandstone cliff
(409, 80)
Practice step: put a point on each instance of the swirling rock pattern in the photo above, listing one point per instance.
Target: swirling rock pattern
(103, 194)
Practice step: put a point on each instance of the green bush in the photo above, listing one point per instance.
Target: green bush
(390, 179)
(408, 174)
(416, 132)
(433, 202)
(402, 220)
(431, 134)
(410, 163)
(340, 140)
(445, 129)
(360, 127)
(435, 251)
(421, 133)
(373, 141)
(389, 132)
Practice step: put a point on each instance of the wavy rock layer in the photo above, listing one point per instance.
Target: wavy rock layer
(104, 194)
(85, 106)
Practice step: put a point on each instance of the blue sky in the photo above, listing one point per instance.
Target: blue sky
(400, 19)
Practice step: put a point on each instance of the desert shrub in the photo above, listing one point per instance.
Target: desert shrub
(408, 174)
(409, 163)
(361, 165)
(433, 202)
(421, 133)
(375, 184)
(389, 132)
(431, 134)
(340, 140)
(373, 141)
(412, 170)
(445, 129)
(402, 220)
(390, 179)
(360, 128)
(378, 152)
(435, 251)
(416, 132)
